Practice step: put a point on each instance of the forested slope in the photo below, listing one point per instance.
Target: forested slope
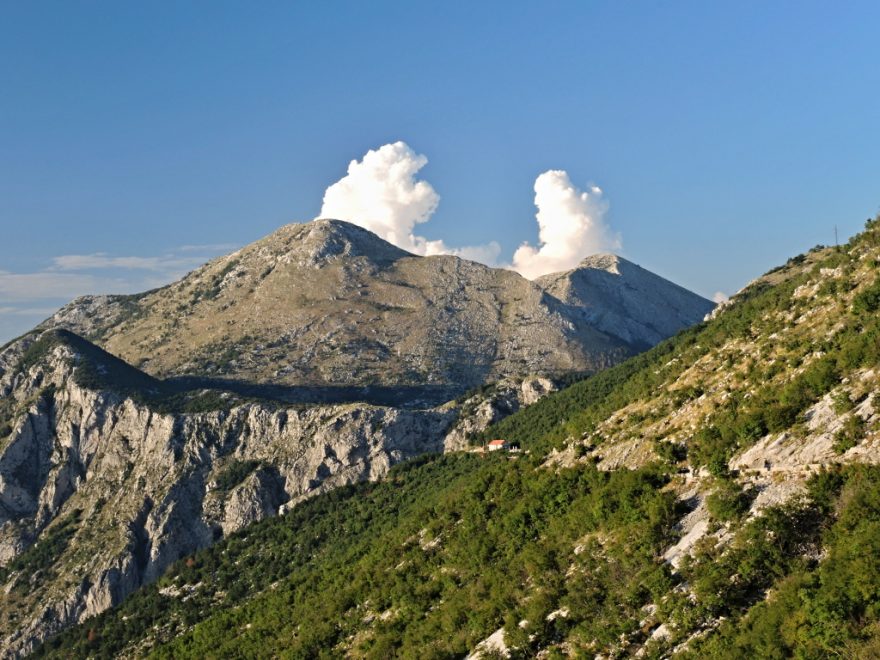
(717, 496)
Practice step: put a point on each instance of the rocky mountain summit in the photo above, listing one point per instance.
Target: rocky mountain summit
(624, 300)
(294, 307)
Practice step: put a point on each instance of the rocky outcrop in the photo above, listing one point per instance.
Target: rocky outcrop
(259, 496)
(481, 410)
(624, 300)
(151, 487)
(119, 490)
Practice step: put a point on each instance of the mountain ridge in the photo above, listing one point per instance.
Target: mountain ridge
(616, 295)
(110, 475)
(289, 309)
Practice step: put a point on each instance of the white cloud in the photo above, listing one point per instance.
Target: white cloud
(485, 254)
(27, 311)
(571, 227)
(720, 297)
(26, 298)
(209, 247)
(22, 287)
(101, 260)
(381, 193)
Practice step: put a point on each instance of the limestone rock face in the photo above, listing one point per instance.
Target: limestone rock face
(259, 496)
(481, 410)
(532, 389)
(626, 301)
(139, 489)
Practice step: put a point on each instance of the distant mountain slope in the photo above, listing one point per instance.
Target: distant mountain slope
(717, 496)
(625, 300)
(329, 303)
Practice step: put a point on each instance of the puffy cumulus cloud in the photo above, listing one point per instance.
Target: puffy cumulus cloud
(381, 193)
(571, 226)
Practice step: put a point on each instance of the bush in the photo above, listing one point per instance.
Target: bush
(842, 403)
(41, 557)
(712, 449)
(234, 473)
(670, 452)
(868, 301)
(817, 611)
(850, 435)
(728, 502)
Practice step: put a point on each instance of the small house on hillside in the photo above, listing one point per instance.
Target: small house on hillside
(495, 445)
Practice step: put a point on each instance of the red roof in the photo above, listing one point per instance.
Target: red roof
(496, 442)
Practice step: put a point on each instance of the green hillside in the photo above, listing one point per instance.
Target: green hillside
(563, 545)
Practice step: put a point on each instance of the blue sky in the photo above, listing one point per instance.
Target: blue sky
(150, 136)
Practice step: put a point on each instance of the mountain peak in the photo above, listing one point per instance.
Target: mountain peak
(329, 303)
(325, 239)
(603, 261)
(625, 300)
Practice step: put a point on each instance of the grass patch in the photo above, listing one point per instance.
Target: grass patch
(234, 473)
(40, 558)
